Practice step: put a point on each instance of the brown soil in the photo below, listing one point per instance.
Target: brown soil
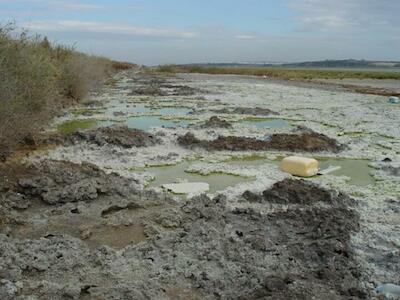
(304, 141)
(61, 182)
(119, 136)
(215, 122)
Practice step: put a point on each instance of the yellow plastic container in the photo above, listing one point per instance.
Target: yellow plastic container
(300, 166)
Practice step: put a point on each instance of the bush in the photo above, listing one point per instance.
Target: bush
(37, 78)
(120, 66)
(80, 74)
(28, 88)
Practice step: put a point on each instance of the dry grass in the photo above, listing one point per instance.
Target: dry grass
(282, 73)
(37, 79)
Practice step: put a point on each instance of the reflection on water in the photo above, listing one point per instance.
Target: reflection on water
(356, 169)
(170, 174)
(146, 122)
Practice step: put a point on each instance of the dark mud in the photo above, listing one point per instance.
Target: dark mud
(119, 113)
(197, 250)
(308, 141)
(391, 170)
(62, 182)
(216, 122)
(119, 136)
(255, 111)
(156, 85)
(299, 192)
(165, 90)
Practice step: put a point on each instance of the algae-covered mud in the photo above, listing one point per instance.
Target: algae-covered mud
(89, 219)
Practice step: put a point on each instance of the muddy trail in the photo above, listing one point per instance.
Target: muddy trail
(89, 217)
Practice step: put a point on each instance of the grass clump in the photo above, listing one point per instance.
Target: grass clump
(74, 125)
(38, 78)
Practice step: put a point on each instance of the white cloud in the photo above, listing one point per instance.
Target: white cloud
(342, 15)
(107, 28)
(78, 6)
(245, 37)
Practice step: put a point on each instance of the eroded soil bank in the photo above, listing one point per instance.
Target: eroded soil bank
(88, 219)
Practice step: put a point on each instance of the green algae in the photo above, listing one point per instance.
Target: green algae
(74, 125)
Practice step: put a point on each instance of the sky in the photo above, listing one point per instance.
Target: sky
(198, 31)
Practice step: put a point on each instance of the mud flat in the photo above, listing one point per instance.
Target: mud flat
(87, 218)
(180, 248)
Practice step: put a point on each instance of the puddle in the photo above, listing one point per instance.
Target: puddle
(266, 123)
(357, 169)
(146, 122)
(116, 237)
(128, 108)
(170, 174)
(249, 161)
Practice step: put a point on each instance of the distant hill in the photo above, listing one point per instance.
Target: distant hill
(345, 63)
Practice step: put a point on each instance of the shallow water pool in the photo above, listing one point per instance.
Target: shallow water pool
(356, 169)
(170, 174)
(146, 122)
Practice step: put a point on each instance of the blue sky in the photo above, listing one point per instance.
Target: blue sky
(177, 31)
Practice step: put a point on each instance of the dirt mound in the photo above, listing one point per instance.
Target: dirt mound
(164, 90)
(215, 122)
(61, 182)
(305, 141)
(392, 170)
(148, 91)
(153, 85)
(298, 192)
(255, 111)
(119, 136)
(160, 85)
(180, 90)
